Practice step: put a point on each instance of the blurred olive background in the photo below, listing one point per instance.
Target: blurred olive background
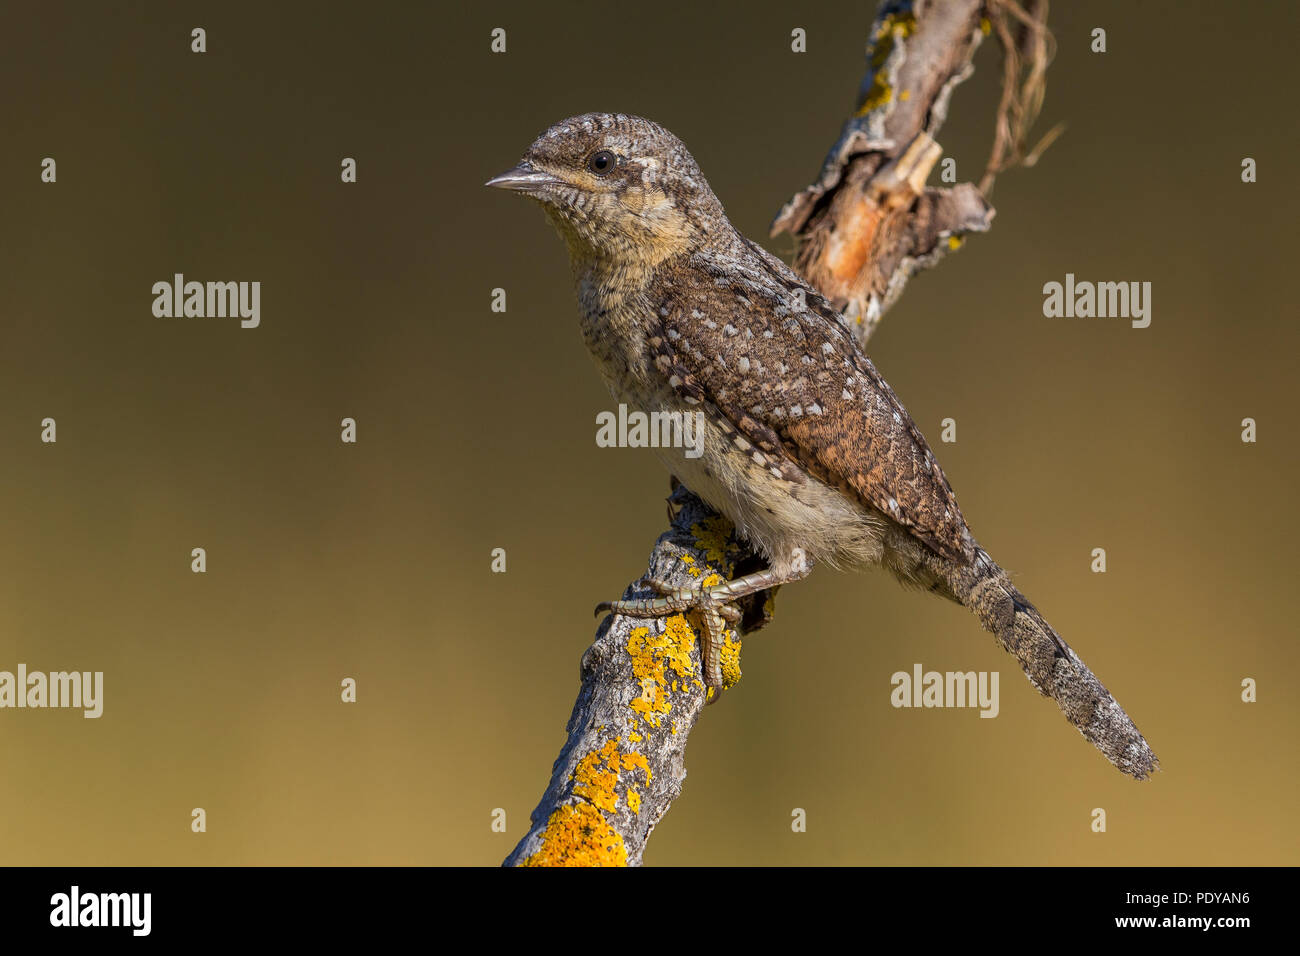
(476, 431)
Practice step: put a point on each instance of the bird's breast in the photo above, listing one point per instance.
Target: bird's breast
(616, 330)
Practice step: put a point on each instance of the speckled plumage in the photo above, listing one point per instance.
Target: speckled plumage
(807, 450)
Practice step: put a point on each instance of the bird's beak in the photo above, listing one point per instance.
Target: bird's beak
(524, 179)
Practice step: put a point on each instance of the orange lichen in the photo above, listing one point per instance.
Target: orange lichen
(597, 774)
(654, 656)
(636, 761)
(577, 834)
(597, 785)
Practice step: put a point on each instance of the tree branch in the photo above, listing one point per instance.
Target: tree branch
(866, 225)
(624, 762)
(868, 222)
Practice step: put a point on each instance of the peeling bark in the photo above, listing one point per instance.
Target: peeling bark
(868, 222)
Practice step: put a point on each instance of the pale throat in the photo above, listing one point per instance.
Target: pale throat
(619, 257)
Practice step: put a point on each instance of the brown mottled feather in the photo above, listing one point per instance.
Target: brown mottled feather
(829, 410)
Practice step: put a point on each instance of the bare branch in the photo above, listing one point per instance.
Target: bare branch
(864, 228)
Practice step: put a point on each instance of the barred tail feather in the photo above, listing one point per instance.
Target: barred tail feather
(1050, 664)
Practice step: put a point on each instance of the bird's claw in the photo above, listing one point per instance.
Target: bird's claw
(714, 606)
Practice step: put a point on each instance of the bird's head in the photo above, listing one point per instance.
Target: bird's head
(618, 188)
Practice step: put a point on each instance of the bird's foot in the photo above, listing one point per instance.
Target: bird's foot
(715, 605)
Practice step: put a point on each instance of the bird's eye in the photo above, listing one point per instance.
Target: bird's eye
(602, 162)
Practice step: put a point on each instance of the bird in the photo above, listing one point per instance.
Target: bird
(805, 448)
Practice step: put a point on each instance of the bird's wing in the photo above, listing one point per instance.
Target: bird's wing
(772, 355)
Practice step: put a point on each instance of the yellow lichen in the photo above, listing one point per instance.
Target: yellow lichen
(636, 761)
(712, 536)
(729, 659)
(653, 656)
(597, 785)
(662, 662)
(693, 569)
(879, 94)
(893, 28)
(681, 638)
(577, 834)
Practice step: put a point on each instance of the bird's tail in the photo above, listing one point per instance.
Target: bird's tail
(1050, 664)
